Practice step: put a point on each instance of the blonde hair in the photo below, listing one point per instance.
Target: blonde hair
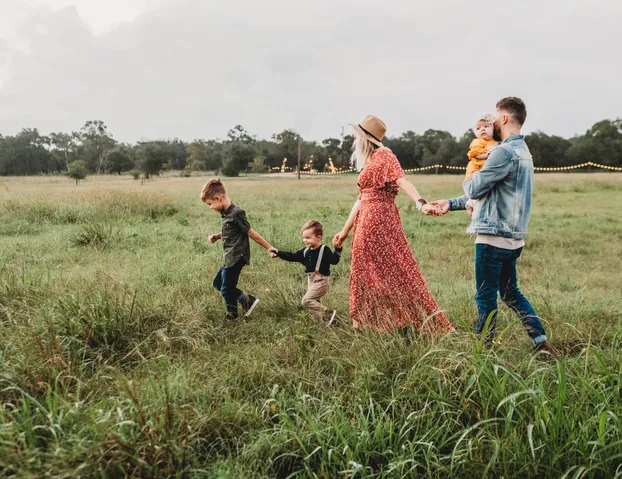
(486, 118)
(212, 188)
(362, 149)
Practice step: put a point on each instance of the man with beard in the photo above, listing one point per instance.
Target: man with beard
(504, 186)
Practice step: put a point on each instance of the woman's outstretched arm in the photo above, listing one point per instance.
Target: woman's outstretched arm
(343, 234)
(410, 190)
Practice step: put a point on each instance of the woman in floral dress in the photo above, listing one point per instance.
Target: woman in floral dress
(387, 290)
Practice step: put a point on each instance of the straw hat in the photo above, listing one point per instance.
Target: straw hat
(372, 128)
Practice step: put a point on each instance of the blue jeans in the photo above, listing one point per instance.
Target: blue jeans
(495, 272)
(226, 281)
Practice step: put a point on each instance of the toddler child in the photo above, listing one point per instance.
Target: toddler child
(234, 234)
(479, 150)
(317, 259)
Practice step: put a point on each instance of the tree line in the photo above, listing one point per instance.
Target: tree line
(93, 150)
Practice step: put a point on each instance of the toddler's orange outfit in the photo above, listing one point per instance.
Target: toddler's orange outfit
(478, 147)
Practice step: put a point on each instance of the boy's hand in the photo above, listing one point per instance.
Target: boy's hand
(213, 238)
(469, 209)
(273, 253)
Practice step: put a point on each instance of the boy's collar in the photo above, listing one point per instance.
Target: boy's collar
(227, 210)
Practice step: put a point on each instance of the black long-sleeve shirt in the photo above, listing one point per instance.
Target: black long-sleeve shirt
(308, 257)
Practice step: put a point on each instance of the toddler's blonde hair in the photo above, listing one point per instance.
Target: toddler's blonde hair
(484, 118)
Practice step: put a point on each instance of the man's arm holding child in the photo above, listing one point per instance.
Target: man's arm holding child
(496, 168)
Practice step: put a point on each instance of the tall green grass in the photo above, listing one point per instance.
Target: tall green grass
(116, 360)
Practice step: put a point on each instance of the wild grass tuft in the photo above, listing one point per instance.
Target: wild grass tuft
(116, 359)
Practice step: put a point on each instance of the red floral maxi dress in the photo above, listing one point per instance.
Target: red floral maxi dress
(387, 290)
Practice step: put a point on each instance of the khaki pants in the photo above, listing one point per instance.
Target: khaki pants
(318, 287)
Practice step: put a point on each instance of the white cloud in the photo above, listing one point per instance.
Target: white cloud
(195, 68)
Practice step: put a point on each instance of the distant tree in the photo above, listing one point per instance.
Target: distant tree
(119, 159)
(332, 147)
(26, 153)
(346, 146)
(462, 148)
(548, 150)
(215, 156)
(258, 165)
(95, 141)
(63, 147)
(177, 154)
(239, 134)
(238, 155)
(287, 146)
(197, 156)
(431, 142)
(447, 151)
(407, 148)
(151, 156)
(77, 170)
(601, 144)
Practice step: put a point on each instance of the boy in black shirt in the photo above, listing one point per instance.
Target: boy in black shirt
(234, 234)
(317, 259)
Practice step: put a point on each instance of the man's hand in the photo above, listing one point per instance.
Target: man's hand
(442, 204)
(213, 238)
(469, 209)
(273, 253)
(339, 239)
(431, 210)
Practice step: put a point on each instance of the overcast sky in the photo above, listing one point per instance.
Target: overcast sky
(195, 68)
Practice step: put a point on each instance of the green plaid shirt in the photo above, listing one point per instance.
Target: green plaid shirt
(234, 231)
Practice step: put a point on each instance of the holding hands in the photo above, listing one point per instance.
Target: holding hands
(339, 239)
(431, 209)
(442, 205)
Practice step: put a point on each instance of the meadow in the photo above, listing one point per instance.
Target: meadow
(116, 359)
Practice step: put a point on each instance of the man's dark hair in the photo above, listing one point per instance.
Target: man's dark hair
(515, 107)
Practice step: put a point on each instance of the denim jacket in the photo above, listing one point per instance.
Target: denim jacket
(504, 185)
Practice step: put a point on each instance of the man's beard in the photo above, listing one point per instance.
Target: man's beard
(496, 132)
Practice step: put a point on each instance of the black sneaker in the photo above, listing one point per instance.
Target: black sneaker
(249, 303)
(232, 318)
(330, 317)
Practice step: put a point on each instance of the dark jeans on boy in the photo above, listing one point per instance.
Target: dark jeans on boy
(226, 281)
(495, 272)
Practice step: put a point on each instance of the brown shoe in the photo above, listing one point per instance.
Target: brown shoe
(330, 316)
(249, 303)
(546, 349)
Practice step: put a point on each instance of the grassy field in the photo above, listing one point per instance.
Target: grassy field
(115, 359)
